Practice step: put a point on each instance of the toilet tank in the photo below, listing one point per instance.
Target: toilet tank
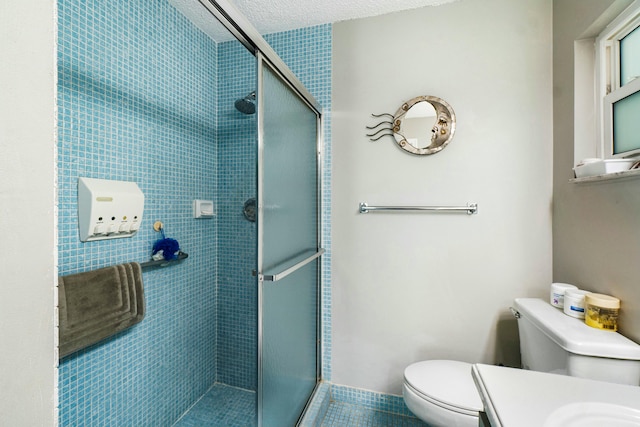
(551, 341)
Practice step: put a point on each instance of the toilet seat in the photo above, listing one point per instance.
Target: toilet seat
(445, 383)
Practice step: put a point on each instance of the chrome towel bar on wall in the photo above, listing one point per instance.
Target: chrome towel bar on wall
(470, 208)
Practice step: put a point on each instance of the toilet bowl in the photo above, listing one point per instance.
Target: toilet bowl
(442, 393)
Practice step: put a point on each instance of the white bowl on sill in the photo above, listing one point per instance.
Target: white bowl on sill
(594, 167)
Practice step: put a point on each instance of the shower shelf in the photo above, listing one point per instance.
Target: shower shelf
(163, 262)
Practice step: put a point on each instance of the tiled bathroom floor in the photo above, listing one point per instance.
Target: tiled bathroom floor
(225, 406)
(346, 415)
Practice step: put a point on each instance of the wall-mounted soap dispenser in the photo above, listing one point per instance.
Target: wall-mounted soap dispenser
(108, 209)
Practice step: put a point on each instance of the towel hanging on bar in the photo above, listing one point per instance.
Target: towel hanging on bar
(97, 304)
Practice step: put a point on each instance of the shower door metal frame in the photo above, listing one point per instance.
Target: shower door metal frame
(245, 33)
(263, 61)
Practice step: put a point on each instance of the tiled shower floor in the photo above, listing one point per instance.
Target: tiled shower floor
(225, 406)
(221, 406)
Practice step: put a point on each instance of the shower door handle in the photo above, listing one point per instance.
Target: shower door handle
(285, 272)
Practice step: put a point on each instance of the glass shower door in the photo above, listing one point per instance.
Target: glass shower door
(288, 250)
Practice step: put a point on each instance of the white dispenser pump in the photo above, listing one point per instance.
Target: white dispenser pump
(108, 209)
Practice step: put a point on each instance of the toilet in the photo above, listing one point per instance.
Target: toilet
(442, 392)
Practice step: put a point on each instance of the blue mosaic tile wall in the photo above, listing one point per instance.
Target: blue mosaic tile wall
(307, 52)
(146, 97)
(237, 288)
(137, 102)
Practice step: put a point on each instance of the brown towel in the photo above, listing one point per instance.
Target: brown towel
(97, 304)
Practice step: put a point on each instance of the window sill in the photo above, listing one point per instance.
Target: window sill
(634, 173)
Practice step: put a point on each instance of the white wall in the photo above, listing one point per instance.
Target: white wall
(596, 227)
(409, 287)
(27, 217)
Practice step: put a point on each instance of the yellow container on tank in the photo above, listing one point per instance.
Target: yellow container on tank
(601, 311)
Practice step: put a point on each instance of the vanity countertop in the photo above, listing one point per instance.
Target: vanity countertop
(521, 398)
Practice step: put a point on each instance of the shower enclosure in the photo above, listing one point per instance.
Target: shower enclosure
(288, 125)
(149, 94)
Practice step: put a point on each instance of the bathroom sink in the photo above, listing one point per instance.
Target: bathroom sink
(593, 414)
(521, 398)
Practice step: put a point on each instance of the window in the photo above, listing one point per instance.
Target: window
(618, 88)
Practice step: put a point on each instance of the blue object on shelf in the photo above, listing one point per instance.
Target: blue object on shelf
(168, 247)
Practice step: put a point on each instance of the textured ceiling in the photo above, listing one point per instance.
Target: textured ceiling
(271, 16)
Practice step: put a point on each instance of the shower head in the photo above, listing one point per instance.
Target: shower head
(246, 105)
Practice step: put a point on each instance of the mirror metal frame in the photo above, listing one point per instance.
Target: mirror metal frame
(442, 131)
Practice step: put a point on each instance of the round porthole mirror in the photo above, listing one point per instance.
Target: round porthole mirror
(424, 125)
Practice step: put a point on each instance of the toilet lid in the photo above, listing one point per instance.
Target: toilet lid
(446, 381)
